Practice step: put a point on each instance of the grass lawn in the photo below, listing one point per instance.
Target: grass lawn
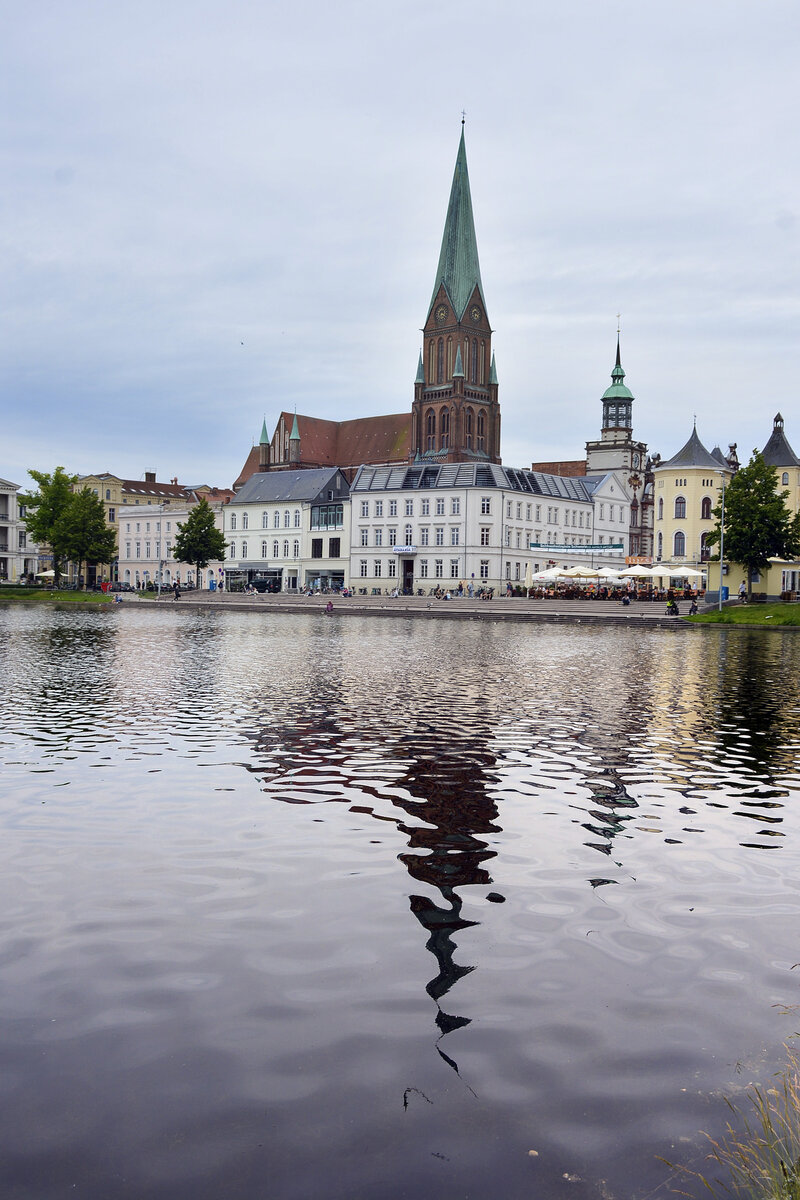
(35, 595)
(774, 615)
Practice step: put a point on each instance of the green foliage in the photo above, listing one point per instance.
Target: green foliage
(759, 1156)
(82, 530)
(758, 525)
(198, 541)
(46, 506)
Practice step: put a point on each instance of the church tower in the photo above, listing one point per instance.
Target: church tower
(456, 414)
(616, 450)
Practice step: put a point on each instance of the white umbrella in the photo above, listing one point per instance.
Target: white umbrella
(45, 574)
(551, 574)
(582, 573)
(528, 580)
(639, 573)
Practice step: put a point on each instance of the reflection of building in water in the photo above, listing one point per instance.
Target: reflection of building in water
(437, 777)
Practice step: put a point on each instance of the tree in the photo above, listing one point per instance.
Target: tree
(198, 540)
(46, 506)
(758, 525)
(82, 531)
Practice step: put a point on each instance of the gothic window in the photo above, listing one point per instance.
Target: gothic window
(431, 361)
(468, 428)
(449, 358)
(430, 430)
(680, 508)
(444, 427)
(440, 361)
(481, 429)
(482, 376)
(679, 545)
(661, 508)
(705, 508)
(474, 362)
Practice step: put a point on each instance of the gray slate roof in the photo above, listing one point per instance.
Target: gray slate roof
(419, 477)
(291, 485)
(693, 454)
(778, 452)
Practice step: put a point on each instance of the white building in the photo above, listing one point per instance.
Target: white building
(288, 530)
(420, 526)
(18, 554)
(147, 544)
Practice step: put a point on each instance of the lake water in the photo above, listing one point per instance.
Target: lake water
(299, 906)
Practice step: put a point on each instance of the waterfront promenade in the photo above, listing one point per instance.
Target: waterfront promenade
(605, 612)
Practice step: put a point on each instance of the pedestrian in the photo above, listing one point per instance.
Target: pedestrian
(176, 590)
(743, 591)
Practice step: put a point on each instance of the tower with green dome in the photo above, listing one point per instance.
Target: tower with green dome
(616, 449)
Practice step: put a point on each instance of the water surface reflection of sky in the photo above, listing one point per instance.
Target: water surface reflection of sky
(380, 906)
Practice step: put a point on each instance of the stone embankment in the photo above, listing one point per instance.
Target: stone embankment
(601, 612)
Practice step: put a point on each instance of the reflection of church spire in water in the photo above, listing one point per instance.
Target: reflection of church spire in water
(443, 788)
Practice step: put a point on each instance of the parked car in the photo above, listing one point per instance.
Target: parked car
(120, 587)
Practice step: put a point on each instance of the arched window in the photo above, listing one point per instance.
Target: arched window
(108, 490)
(680, 508)
(473, 374)
(275, 549)
(233, 520)
(286, 548)
(430, 430)
(444, 428)
(431, 361)
(661, 508)
(232, 549)
(481, 429)
(660, 545)
(679, 545)
(244, 521)
(440, 361)
(296, 548)
(287, 519)
(244, 549)
(449, 358)
(265, 520)
(705, 508)
(276, 520)
(469, 420)
(784, 481)
(264, 550)
(297, 518)
(705, 549)
(482, 376)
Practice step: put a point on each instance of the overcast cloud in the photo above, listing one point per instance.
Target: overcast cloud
(213, 211)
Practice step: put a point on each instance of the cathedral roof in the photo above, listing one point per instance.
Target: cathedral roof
(693, 454)
(459, 269)
(778, 452)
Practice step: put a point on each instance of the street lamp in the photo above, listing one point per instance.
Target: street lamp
(721, 540)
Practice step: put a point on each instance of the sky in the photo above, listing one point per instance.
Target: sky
(211, 211)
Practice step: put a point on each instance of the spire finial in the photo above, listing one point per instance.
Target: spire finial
(463, 116)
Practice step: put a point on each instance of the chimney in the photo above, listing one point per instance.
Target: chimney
(149, 476)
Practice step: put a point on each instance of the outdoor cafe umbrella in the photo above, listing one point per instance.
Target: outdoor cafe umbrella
(582, 573)
(528, 580)
(638, 573)
(45, 574)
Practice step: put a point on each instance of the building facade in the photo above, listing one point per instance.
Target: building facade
(687, 489)
(288, 530)
(19, 556)
(437, 525)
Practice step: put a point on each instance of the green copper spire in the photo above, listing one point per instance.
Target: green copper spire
(264, 439)
(459, 269)
(294, 436)
(458, 369)
(618, 390)
(420, 370)
(493, 371)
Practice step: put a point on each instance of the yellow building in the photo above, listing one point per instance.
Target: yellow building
(779, 455)
(687, 489)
